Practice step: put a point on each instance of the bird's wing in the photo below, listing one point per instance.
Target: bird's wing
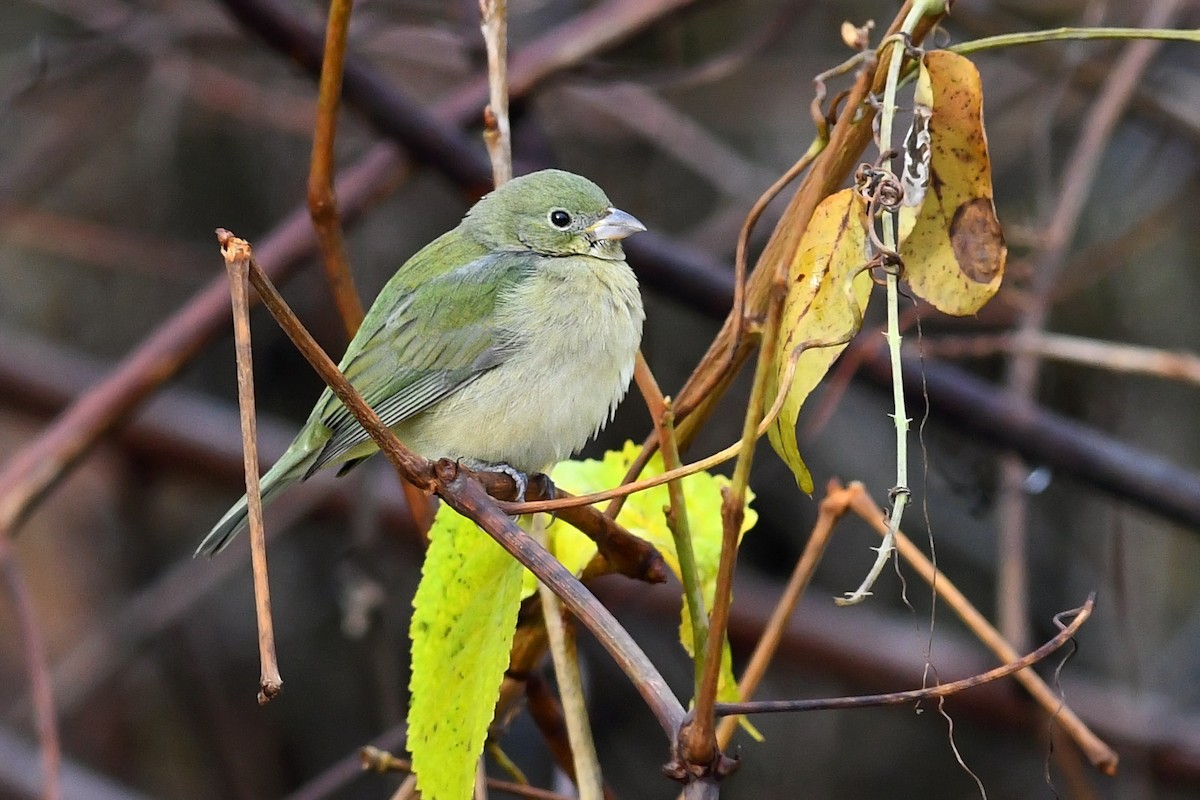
(422, 343)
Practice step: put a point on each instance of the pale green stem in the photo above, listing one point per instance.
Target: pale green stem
(900, 492)
(1067, 34)
(570, 683)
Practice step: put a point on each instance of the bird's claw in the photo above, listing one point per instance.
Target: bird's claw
(519, 478)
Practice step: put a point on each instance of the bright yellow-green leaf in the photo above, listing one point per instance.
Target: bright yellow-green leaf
(464, 616)
(827, 292)
(952, 245)
(642, 515)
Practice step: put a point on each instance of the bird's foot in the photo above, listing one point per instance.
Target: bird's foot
(519, 478)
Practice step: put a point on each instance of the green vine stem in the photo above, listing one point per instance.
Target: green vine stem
(900, 493)
(1073, 34)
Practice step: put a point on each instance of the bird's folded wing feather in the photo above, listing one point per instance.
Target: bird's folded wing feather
(420, 346)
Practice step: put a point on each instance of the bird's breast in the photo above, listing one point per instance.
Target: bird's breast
(574, 326)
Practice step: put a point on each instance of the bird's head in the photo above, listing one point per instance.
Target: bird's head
(553, 213)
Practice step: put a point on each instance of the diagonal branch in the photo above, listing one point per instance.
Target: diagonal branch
(1081, 615)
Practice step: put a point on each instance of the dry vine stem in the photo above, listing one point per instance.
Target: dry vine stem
(1100, 754)
(1013, 667)
(237, 255)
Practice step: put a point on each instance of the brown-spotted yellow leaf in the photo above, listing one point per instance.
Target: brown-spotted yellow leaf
(642, 515)
(464, 616)
(952, 245)
(827, 292)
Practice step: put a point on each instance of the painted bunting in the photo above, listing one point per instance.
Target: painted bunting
(505, 343)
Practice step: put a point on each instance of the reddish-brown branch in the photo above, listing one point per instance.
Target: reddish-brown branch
(322, 202)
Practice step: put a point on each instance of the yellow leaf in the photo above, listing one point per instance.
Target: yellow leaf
(464, 616)
(827, 292)
(952, 245)
(642, 515)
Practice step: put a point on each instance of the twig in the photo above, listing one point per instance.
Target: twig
(698, 743)
(376, 760)
(663, 415)
(1012, 667)
(496, 134)
(1099, 753)
(322, 202)
(685, 552)
(832, 508)
(37, 670)
(1111, 356)
(570, 685)
(236, 253)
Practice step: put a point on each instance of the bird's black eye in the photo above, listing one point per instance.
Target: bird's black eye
(560, 219)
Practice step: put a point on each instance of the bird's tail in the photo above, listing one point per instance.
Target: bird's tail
(289, 469)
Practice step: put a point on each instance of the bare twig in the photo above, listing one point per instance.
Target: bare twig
(322, 202)
(36, 669)
(1012, 667)
(376, 760)
(496, 134)
(833, 507)
(1101, 755)
(565, 656)
(236, 253)
(663, 416)
(698, 743)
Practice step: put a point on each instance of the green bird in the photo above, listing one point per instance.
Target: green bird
(505, 343)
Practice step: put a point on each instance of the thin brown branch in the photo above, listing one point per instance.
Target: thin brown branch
(941, 690)
(36, 669)
(236, 253)
(496, 133)
(322, 202)
(1100, 754)
(467, 496)
(618, 550)
(832, 508)
(560, 633)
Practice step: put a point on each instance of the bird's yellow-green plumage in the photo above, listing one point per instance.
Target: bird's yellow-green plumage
(506, 341)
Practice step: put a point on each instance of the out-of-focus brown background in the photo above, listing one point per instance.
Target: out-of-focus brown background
(130, 130)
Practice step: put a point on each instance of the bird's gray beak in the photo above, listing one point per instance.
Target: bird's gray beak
(616, 225)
